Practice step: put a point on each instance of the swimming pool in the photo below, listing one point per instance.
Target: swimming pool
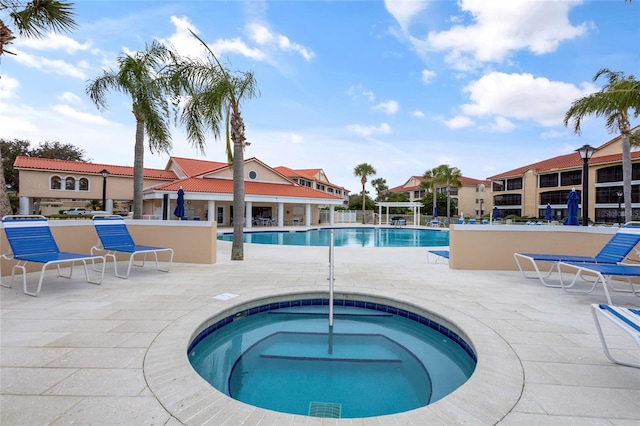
(349, 237)
(376, 360)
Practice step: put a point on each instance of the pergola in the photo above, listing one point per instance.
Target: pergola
(415, 206)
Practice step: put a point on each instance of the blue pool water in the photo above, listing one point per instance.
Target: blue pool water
(349, 237)
(376, 360)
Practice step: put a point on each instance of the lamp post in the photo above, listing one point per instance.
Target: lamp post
(586, 151)
(481, 190)
(619, 194)
(104, 174)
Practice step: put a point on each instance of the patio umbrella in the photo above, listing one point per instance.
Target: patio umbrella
(179, 211)
(496, 213)
(435, 211)
(572, 208)
(547, 214)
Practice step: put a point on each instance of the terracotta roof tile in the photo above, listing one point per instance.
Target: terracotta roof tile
(193, 167)
(225, 186)
(34, 163)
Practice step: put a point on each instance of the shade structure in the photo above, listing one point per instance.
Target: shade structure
(179, 211)
(573, 199)
(496, 213)
(435, 211)
(547, 214)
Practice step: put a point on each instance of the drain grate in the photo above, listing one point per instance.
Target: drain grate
(325, 409)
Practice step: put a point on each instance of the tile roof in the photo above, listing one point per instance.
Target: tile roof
(34, 163)
(309, 174)
(564, 162)
(193, 167)
(466, 181)
(225, 186)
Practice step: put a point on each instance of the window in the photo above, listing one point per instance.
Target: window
(609, 194)
(507, 200)
(548, 181)
(56, 182)
(614, 173)
(320, 187)
(253, 175)
(573, 177)
(330, 190)
(513, 184)
(497, 185)
(453, 191)
(83, 184)
(556, 197)
(70, 184)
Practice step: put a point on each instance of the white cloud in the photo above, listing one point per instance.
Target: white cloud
(417, 113)
(427, 76)
(388, 107)
(52, 66)
(78, 116)
(501, 125)
(69, 97)
(459, 122)
(522, 96)
(403, 11)
(53, 41)
(8, 87)
(367, 131)
(357, 90)
(261, 35)
(500, 28)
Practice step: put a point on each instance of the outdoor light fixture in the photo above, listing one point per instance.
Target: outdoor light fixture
(104, 174)
(586, 151)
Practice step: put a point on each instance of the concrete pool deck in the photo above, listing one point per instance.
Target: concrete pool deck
(115, 354)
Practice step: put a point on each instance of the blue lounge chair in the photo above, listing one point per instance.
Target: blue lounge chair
(440, 255)
(627, 319)
(31, 240)
(603, 272)
(615, 251)
(115, 238)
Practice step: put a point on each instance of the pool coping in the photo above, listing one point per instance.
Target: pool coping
(488, 396)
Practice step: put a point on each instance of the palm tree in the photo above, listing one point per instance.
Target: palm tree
(380, 184)
(447, 176)
(429, 183)
(616, 102)
(139, 77)
(362, 171)
(34, 18)
(214, 95)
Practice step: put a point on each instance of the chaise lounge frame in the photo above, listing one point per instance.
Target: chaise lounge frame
(614, 252)
(115, 238)
(31, 241)
(627, 319)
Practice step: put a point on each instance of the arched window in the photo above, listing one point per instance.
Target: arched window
(56, 182)
(70, 184)
(83, 184)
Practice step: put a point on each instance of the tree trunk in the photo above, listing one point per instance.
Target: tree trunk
(364, 195)
(138, 169)
(238, 138)
(5, 205)
(626, 174)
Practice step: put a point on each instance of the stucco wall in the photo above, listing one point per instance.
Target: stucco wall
(191, 241)
(491, 247)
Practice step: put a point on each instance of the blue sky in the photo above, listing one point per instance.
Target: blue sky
(402, 85)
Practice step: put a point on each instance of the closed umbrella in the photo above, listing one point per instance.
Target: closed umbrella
(179, 211)
(572, 208)
(496, 213)
(547, 214)
(435, 212)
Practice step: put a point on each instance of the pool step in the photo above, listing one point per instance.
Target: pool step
(329, 410)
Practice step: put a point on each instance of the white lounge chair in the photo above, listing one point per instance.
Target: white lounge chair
(31, 240)
(627, 319)
(115, 238)
(615, 251)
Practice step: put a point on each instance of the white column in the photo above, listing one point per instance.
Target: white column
(109, 206)
(25, 205)
(248, 221)
(332, 212)
(307, 214)
(212, 214)
(280, 214)
(379, 214)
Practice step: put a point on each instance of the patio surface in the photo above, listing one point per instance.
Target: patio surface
(115, 354)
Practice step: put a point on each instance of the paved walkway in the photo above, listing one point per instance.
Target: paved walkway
(114, 354)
